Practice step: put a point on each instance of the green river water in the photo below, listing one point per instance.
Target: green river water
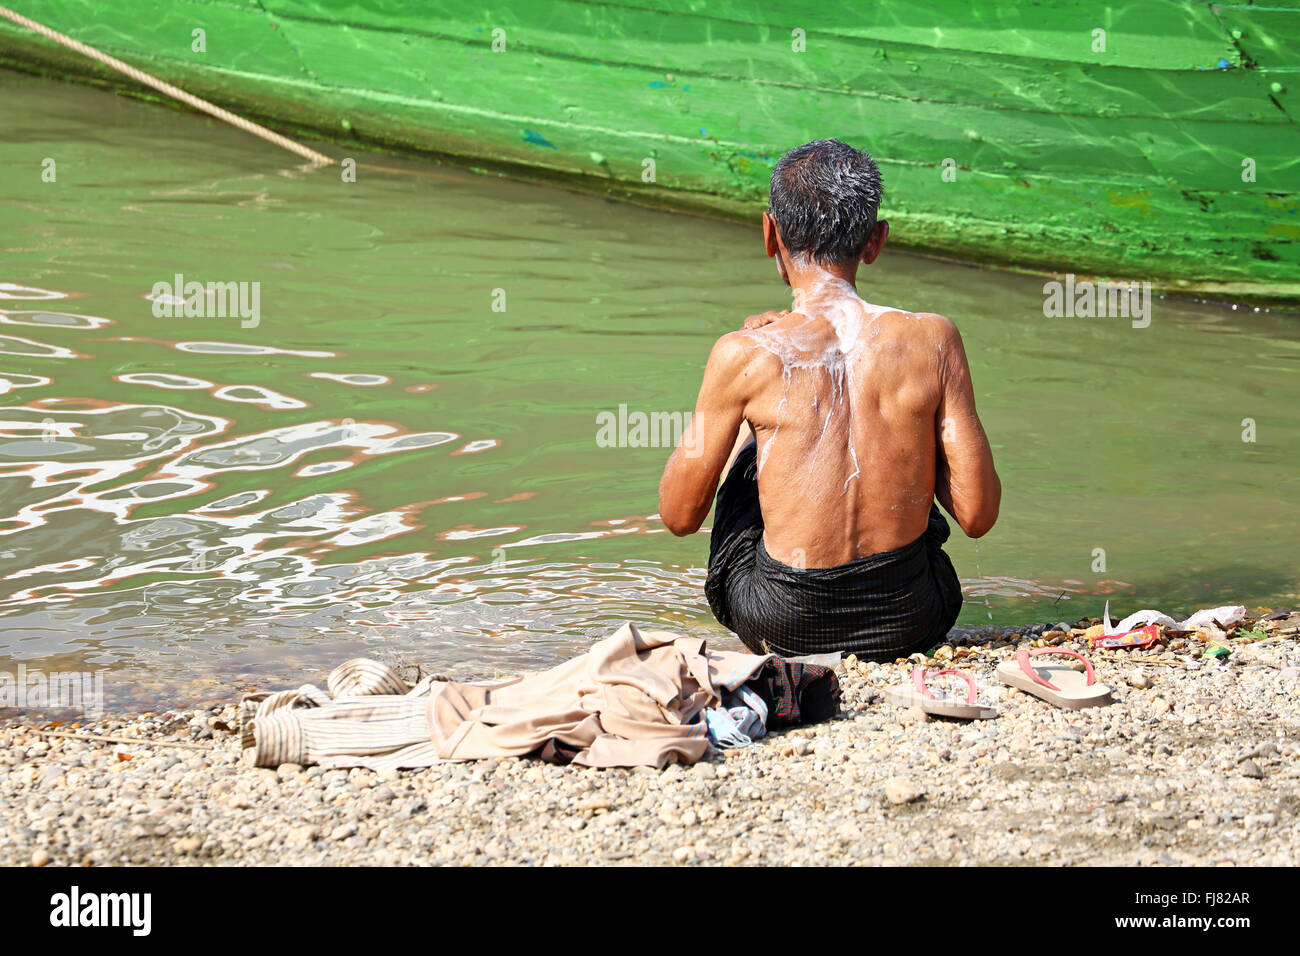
(386, 466)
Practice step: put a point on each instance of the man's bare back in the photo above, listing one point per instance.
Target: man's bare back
(843, 405)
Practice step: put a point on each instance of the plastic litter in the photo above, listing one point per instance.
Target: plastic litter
(1140, 638)
(1224, 616)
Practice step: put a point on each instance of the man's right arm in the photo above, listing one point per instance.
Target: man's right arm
(690, 478)
(966, 483)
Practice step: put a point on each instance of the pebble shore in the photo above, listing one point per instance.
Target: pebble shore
(1197, 762)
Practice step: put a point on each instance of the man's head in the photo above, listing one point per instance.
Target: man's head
(824, 200)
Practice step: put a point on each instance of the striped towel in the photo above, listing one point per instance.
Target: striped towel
(369, 717)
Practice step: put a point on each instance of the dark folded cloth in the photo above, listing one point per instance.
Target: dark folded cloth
(878, 607)
(796, 693)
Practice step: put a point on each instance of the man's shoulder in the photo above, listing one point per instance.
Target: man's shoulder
(932, 321)
(929, 328)
(737, 350)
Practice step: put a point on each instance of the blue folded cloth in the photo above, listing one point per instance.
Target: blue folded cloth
(740, 720)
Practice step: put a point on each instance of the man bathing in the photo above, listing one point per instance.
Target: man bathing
(833, 426)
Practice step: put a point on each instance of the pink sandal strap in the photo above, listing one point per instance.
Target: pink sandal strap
(920, 677)
(1023, 656)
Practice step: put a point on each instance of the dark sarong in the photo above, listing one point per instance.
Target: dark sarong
(878, 607)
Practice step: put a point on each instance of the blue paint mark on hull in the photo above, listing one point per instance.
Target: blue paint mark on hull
(537, 139)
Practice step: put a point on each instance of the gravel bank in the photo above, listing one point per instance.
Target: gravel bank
(1196, 762)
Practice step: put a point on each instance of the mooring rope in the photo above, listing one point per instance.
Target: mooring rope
(175, 92)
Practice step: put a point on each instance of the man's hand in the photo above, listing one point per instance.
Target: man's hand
(758, 321)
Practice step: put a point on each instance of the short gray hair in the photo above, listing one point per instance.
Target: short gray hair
(825, 196)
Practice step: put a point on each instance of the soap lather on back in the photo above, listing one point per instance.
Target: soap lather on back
(844, 420)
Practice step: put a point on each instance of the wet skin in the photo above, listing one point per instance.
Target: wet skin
(863, 415)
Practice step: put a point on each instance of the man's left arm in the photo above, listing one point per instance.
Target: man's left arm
(691, 476)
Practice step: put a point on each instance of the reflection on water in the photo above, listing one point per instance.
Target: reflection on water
(387, 465)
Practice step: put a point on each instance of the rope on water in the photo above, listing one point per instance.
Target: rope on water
(176, 93)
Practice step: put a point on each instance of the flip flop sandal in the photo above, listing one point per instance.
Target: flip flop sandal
(1057, 684)
(919, 696)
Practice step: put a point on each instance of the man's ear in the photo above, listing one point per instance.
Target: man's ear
(769, 236)
(772, 246)
(875, 242)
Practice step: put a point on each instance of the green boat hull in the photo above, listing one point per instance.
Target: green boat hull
(1164, 148)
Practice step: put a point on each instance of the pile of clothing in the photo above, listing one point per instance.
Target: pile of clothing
(637, 698)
